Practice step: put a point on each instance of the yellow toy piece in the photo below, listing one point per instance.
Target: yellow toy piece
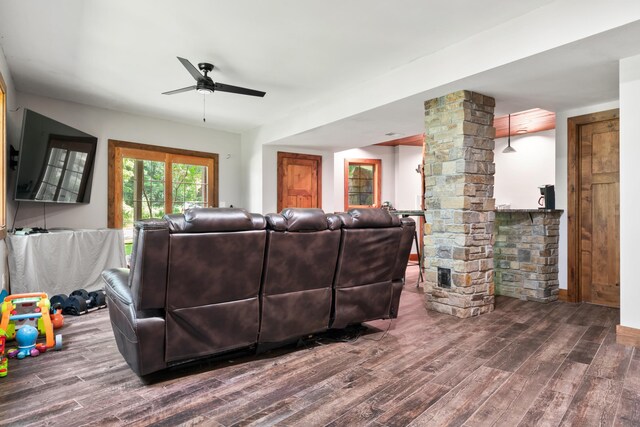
(4, 362)
(10, 330)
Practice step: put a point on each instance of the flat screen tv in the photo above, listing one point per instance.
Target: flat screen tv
(55, 162)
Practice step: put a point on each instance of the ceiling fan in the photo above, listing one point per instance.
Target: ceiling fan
(205, 85)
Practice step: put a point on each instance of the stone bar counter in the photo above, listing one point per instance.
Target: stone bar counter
(525, 253)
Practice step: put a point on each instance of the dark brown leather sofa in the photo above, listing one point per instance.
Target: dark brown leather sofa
(216, 280)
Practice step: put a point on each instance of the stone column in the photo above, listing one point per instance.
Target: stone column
(458, 236)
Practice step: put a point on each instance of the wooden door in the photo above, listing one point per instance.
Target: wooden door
(599, 212)
(299, 181)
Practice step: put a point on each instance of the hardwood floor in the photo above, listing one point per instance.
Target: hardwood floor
(524, 364)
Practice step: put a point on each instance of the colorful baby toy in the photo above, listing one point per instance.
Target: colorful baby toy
(18, 309)
(26, 338)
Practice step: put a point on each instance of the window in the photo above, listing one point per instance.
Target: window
(362, 178)
(147, 181)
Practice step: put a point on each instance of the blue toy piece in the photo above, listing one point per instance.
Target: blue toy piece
(26, 338)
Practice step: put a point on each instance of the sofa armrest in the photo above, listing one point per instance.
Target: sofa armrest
(139, 334)
(117, 280)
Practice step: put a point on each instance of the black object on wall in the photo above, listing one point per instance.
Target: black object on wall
(55, 161)
(13, 157)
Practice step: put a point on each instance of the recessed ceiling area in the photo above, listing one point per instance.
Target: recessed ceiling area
(413, 140)
(523, 122)
(518, 123)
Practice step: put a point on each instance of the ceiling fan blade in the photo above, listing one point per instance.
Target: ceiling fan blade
(191, 69)
(184, 89)
(236, 89)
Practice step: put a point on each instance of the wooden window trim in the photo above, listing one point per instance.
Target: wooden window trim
(3, 149)
(118, 149)
(377, 181)
(573, 196)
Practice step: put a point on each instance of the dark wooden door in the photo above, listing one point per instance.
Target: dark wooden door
(599, 211)
(299, 181)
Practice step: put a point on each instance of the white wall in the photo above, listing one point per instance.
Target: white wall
(407, 180)
(251, 175)
(12, 125)
(518, 175)
(12, 129)
(270, 176)
(107, 124)
(561, 177)
(385, 154)
(629, 200)
(400, 182)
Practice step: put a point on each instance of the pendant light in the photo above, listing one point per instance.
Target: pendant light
(509, 148)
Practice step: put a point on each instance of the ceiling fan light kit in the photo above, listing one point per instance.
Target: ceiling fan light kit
(204, 83)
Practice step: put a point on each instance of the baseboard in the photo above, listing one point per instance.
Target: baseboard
(413, 257)
(563, 296)
(627, 336)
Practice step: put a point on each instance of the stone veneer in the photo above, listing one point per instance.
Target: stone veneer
(526, 254)
(458, 235)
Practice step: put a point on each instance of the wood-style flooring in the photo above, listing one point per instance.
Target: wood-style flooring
(524, 364)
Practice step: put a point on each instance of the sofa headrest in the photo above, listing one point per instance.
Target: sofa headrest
(204, 220)
(369, 218)
(299, 219)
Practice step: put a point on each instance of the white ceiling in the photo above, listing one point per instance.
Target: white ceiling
(121, 55)
(578, 74)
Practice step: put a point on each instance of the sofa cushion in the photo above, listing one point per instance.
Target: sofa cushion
(300, 219)
(206, 220)
(369, 218)
(213, 268)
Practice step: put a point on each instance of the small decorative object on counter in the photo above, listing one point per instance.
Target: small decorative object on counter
(547, 198)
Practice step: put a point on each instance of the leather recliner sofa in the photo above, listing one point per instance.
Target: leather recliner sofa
(210, 281)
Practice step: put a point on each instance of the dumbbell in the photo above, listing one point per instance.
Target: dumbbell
(99, 298)
(69, 305)
(92, 299)
(81, 301)
(57, 302)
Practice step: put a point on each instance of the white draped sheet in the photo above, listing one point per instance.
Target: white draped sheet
(62, 261)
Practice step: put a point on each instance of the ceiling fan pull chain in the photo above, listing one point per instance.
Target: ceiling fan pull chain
(204, 108)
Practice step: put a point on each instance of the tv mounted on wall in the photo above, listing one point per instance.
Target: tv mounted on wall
(56, 162)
